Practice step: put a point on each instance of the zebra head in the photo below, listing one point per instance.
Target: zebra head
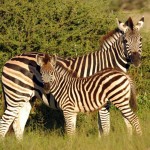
(132, 40)
(47, 65)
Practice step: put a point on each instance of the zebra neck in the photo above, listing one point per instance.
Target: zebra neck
(63, 79)
(110, 55)
(108, 41)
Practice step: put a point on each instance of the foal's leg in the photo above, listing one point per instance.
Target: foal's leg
(70, 120)
(129, 114)
(104, 121)
(128, 125)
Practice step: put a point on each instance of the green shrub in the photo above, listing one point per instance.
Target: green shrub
(65, 28)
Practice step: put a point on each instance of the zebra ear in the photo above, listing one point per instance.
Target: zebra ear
(129, 23)
(140, 23)
(39, 60)
(53, 60)
(122, 26)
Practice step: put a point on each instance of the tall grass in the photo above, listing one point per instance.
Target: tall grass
(53, 140)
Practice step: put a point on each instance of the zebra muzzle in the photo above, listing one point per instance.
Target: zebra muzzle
(46, 87)
(136, 59)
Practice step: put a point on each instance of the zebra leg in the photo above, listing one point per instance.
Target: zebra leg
(130, 116)
(70, 120)
(104, 121)
(7, 118)
(20, 122)
(133, 119)
(129, 126)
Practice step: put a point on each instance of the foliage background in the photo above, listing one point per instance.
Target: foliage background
(69, 28)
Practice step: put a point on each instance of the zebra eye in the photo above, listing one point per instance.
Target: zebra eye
(125, 41)
(52, 73)
(140, 38)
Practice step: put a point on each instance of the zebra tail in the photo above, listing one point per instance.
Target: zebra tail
(133, 99)
(4, 99)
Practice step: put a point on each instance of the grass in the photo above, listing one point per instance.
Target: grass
(84, 139)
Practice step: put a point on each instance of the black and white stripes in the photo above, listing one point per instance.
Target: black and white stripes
(88, 94)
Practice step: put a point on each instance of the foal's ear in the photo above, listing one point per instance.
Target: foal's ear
(122, 26)
(140, 23)
(53, 60)
(39, 60)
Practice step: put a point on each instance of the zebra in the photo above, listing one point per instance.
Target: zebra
(87, 94)
(119, 48)
(21, 79)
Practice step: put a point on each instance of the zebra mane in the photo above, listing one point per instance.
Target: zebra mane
(107, 36)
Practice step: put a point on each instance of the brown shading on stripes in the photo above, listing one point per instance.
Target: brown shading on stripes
(107, 36)
(46, 59)
(133, 99)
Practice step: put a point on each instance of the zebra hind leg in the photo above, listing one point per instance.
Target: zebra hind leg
(133, 119)
(20, 122)
(129, 115)
(129, 126)
(104, 121)
(7, 118)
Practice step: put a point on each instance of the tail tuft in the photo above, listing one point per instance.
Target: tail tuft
(133, 99)
(3, 99)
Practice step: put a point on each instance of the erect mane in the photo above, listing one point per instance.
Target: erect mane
(108, 35)
(46, 59)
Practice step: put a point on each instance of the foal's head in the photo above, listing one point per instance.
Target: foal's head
(47, 64)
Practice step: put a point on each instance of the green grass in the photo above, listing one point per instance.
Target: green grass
(84, 139)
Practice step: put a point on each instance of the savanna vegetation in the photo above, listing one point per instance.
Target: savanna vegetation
(73, 28)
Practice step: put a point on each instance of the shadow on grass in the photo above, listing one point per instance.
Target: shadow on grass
(46, 119)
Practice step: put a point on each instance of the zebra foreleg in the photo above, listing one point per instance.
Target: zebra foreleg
(70, 120)
(104, 121)
(20, 122)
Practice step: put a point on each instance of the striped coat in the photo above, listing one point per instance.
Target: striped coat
(88, 94)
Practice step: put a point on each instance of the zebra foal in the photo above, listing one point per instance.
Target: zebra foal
(87, 94)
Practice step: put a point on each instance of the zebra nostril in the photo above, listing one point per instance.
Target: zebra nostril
(46, 86)
(136, 59)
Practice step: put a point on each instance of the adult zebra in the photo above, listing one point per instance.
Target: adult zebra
(119, 48)
(21, 80)
(87, 94)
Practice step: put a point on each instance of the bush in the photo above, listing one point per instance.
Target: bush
(65, 28)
